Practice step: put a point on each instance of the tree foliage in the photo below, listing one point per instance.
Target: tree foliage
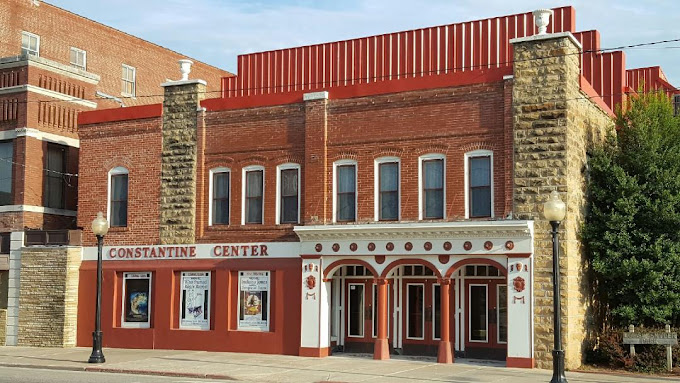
(632, 230)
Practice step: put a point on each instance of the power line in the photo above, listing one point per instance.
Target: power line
(412, 74)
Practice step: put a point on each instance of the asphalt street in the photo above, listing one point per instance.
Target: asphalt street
(37, 375)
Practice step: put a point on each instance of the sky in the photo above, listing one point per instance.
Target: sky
(217, 31)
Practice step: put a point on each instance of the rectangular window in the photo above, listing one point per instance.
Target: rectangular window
(389, 191)
(289, 196)
(254, 188)
(346, 194)
(415, 308)
(195, 312)
(220, 202)
(129, 80)
(119, 199)
(502, 319)
(433, 189)
(55, 167)
(78, 58)
(478, 313)
(480, 186)
(6, 161)
(253, 300)
(356, 310)
(676, 105)
(30, 44)
(136, 299)
(436, 304)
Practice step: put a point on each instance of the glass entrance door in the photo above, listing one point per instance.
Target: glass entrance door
(487, 318)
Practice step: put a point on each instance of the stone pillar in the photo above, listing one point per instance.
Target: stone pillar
(381, 349)
(179, 161)
(48, 302)
(444, 354)
(550, 142)
(316, 204)
(13, 285)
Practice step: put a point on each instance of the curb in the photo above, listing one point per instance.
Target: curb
(122, 371)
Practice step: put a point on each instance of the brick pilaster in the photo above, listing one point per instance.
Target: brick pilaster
(317, 204)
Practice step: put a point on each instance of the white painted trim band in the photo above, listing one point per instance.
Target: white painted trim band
(48, 93)
(37, 209)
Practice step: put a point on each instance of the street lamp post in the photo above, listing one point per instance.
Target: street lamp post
(554, 210)
(99, 227)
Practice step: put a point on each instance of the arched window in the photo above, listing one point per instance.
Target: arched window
(387, 172)
(432, 186)
(479, 184)
(219, 196)
(118, 197)
(288, 193)
(345, 191)
(253, 195)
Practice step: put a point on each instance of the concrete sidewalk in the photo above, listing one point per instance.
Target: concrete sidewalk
(279, 368)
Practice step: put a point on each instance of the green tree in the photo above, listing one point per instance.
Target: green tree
(632, 230)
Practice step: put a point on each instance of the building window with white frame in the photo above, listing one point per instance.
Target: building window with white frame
(54, 178)
(78, 58)
(195, 300)
(118, 197)
(388, 191)
(253, 194)
(432, 193)
(345, 196)
(30, 44)
(6, 166)
(129, 80)
(136, 300)
(479, 180)
(220, 185)
(289, 193)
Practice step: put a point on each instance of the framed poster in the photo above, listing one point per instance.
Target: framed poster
(136, 300)
(253, 300)
(195, 310)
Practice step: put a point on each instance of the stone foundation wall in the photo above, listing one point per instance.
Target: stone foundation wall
(48, 297)
(554, 127)
(3, 326)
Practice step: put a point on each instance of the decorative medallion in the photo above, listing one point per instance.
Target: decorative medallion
(519, 284)
(318, 247)
(447, 246)
(371, 246)
(389, 246)
(488, 245)
(509, 245)
(310, 282)
(408, 246)
(353, 247)
(444, 258)
(380, 259)
(428, 246)
(467, 245)
(336, 247)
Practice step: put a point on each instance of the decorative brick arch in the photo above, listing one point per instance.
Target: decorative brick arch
(475, 261)
(348, 262)
(400, 262)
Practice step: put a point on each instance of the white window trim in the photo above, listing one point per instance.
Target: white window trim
(376, 185)
(116, 171)
(134, 80)
(269, 304)
(243, 192)
(181, 298)
(146, 324)
(335, 187)
(466, 161)
(286, 166)
(408, 310)
(37, 45)
(210, 194)
(469, 316)
(421, 197)
(363, 310)
(434, 311)
(75, 65)
(498, 313)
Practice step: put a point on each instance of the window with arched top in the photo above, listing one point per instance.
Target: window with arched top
(479, 184)
(432, 186)
(387, 172)
(288, 193)
(118, 197)
(253, 195)
(344, 191)
(219, 198)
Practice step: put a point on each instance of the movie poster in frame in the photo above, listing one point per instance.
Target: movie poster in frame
(195, 300)
(136, 300)
(253, 300)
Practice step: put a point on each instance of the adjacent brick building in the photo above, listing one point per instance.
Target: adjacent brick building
(382, 194)
(53, 65)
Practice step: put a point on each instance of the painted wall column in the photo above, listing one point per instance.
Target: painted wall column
(520, 313)
(444, 355)
(381, 350)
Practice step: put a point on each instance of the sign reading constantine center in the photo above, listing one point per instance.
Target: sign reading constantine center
(197, 251)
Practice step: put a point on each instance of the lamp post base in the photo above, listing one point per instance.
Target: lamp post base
(558, 367)
(97, 355)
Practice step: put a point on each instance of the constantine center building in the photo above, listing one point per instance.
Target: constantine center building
(380, 195)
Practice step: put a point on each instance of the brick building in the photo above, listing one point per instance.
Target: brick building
(53, 65)
(382, 194)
